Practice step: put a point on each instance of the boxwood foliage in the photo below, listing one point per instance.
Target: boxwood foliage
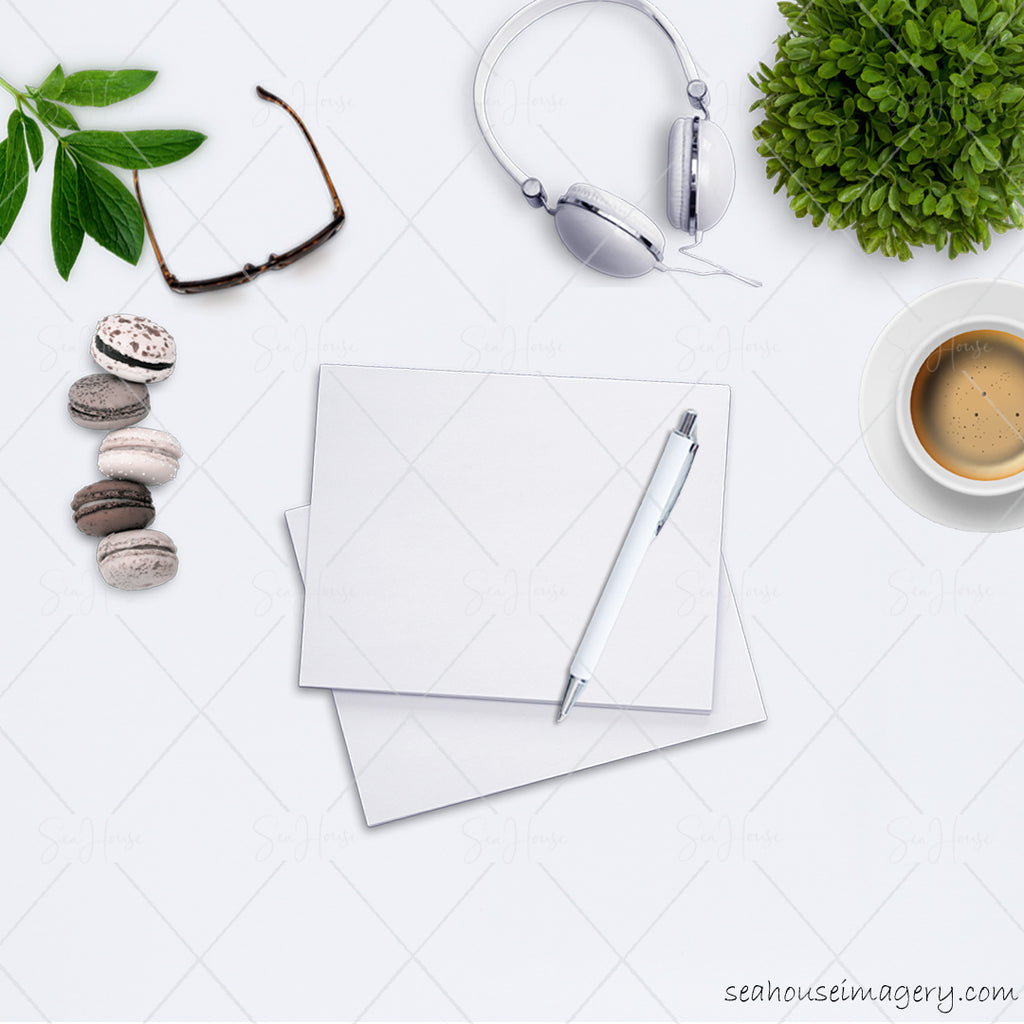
(901, 118)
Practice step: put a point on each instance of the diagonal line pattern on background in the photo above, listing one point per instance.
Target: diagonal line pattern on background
(28, 910)
(836, 715)
(355, 39)
(14, 981)
(994, 529)
(836, 466)
(35, 519)
(558, 49)
(410, 225)
(200, 713)
(242, 514)
(455, 28)
(1017, 747)
(32, 28)
(821, 483)
(995, 899)
(39, 284)
(413, 717)
(413, 955)
(836, 957)
(152, 28)
(199, 958)
(621, 467)
(201, 468)
(42, 401)
(252, 39)
(633, 720)
(31, 764)
(39, 650)
(623, 958)
(847, 236)
(373, 757)
(411, 467)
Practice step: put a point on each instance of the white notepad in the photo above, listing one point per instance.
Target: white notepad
(415, 754)
(463, 524)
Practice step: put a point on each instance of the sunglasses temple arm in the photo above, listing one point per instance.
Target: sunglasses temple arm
(168, 276)
(266, 94)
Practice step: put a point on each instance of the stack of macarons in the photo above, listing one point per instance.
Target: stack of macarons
(133, 352)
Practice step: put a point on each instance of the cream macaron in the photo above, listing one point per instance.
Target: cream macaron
(141, 454)
(137, 559)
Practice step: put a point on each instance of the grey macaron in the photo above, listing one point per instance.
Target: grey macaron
(102, 401)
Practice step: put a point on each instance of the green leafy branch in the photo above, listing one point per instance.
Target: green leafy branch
(87, 198)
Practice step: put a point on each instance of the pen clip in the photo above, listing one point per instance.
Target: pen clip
(676, 491)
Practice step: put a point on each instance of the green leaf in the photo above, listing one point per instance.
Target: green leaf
(34, 136)
(51, 87)
(135, 149)
(66, 232)
(55, 115)
(108, 211)
(967, 196)
(15, 184)
(101, 88)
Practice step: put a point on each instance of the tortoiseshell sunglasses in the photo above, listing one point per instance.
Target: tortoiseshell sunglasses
(275, 261)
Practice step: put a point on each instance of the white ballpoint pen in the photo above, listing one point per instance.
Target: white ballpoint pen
(655, 508)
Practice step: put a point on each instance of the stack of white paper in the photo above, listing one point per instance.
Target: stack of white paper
(461, 528)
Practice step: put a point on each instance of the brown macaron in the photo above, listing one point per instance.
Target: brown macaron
(112, 506)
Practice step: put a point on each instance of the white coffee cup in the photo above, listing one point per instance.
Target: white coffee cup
(927, 347)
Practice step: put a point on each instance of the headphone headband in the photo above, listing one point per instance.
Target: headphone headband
(696, 89)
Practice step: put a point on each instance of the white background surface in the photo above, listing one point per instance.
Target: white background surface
(179, 835)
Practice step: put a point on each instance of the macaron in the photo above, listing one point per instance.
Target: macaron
(133, 348)
(111, 506)
(137, 559)
(140, 453)
(105, 402)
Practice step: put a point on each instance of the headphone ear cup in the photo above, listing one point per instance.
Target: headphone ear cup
(716, 175)
(607, 233)
(680, 142)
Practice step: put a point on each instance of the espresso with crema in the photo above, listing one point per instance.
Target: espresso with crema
(967, 405)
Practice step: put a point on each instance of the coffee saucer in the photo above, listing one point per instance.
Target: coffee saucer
(878, 386)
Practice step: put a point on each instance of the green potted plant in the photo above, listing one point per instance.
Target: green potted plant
(903, 119)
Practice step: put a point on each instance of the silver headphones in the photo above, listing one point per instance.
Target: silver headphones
(600, 229)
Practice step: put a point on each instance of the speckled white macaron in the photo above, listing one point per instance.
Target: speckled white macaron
(137, 559)
(141, 454)
(133, 348)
